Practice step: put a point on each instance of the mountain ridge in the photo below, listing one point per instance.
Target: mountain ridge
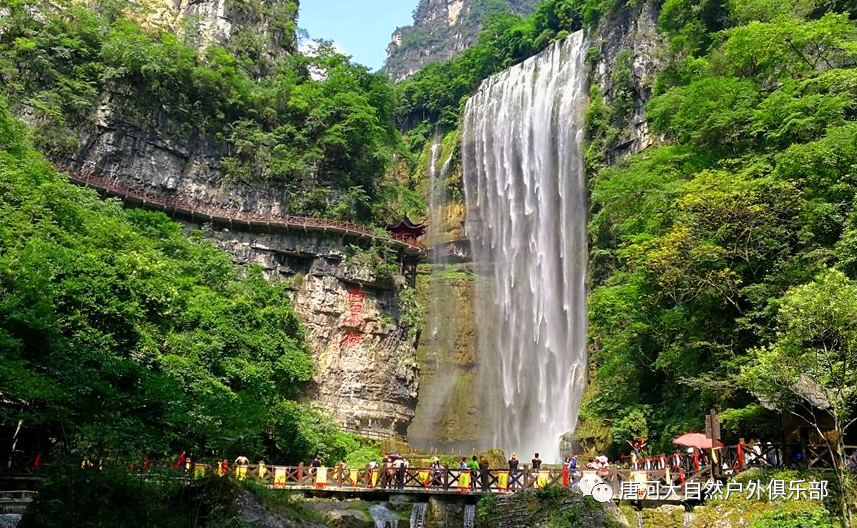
(441, 30)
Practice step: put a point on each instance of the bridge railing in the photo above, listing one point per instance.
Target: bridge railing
(444, 480)
(223, 213)
(743, 456)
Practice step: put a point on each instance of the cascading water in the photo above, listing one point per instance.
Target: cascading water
(470, 516)
(9, 520)
(383, 517)
(526, 219)
(418, 515)
(439, 373)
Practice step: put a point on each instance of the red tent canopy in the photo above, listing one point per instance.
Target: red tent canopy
(697, 440)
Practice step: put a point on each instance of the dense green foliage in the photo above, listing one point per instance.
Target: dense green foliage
(434, 97)
(126, 338)
(552, 507)
(318, 123)
(695, 243)
(108, 499)
(112, 499)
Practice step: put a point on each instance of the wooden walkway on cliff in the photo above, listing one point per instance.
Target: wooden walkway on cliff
(234, 219)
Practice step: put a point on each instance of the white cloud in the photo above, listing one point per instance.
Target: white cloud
(309, 48)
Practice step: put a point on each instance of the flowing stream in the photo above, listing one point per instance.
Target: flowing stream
(525, 192)
(383, 517)
(9, 520)
(418, 515)
(469, 516)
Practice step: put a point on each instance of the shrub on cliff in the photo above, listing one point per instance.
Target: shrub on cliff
(126, 338)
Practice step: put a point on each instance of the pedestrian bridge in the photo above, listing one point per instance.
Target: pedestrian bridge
(235, 219)
(369, 482)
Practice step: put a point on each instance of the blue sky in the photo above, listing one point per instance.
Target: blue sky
(361, 28)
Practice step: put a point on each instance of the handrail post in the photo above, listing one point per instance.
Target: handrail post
(527, 476)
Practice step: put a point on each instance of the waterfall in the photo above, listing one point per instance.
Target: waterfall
(525, 192)
(438, 373)
(470, 516)
(383, 517)
(418, 515)
(9, 520)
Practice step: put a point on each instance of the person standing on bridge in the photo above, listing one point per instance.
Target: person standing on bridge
(436, 472)
(384, 469)
(513, 471)
(473, 465)
(391, 473)
(566, 472)
(485, 475)
(537, 465)
(399, 464)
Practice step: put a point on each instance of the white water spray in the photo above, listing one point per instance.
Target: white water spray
(525, 192)
(383, 517)
(418, 515)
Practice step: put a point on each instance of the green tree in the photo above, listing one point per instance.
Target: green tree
(810, 369)
(125, 337)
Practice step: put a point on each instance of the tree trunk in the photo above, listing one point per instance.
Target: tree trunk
(843, 482)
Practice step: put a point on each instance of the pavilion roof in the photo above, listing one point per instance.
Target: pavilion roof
(407, 228)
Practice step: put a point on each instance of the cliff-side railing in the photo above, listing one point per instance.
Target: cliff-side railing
(198, 211)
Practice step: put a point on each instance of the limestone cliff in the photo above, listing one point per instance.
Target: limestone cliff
(448, 409)
(355, 321)
(266, 27)
(628, 42)
(366, 374)
(442, 29)
(447, 413)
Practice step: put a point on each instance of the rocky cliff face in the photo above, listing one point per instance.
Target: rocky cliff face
(265, 27)
(442, 29)
(366, 373)
(165, 165)
(629, 40)
(365, 355)
(366, 369)
(448, 408)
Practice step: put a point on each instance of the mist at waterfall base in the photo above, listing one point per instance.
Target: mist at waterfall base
(525, 193)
